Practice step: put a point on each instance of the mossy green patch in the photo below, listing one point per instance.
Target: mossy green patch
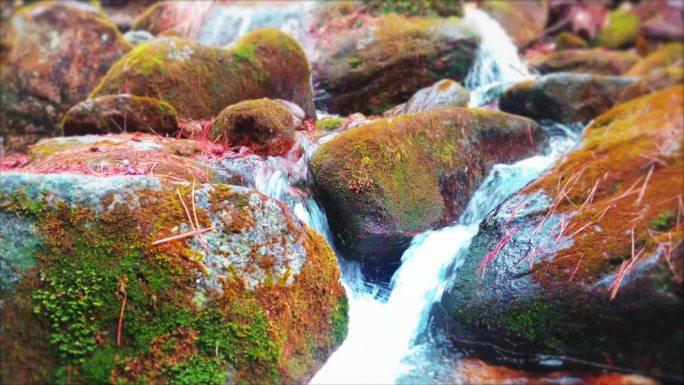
(330, 124)
(622, 30)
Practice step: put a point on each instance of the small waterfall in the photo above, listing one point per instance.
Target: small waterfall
(497, 64)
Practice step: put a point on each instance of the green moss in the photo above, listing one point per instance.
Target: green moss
(340, 321)
(417, 7)
(622, 30)
(197, 371)
(329, 124)
(670, 54)
(568, 40)
(663, 222)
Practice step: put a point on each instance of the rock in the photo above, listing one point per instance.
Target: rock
(656, 80)
(330, 124)
(564, 97)
(444, 93)
(200, 81)
(156, 19)
(118, 113)
(594, 61)
(668, 55)
(256, 299)
(567, 40)
(523, 20)
(137, 37)
(622, 30)
(298, 114)
(391, 179)
(416, 8)
(264, 125)
(59, 52)
(387, 59)
(589, 253)
(123, 154)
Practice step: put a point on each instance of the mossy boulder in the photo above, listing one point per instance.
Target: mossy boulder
(156, 18)
(622, 30)
(523, 20)
(200, 81)
(95, 292)
(564, 97)
(590, 253)
(388, 180)
(264, 125)
(444, 93)
(120, 113)
(656, 80)
(330, 124)
(58, 54)
(383, 62)
(668, 55)
(597, 61)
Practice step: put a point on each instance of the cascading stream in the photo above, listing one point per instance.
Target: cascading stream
(383, 328)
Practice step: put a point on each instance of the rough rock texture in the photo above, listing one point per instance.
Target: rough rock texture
(564, 97)
(58, 54)
(523, 20)
(124, 154)
(668, 55)
(591, 260)
(657, 79)
(264, 125)
(444, 93)
(88, 297)
(622, 30)
(386, 181)
(200, 81)
(593, 61)
(118, 113)
(387, 59)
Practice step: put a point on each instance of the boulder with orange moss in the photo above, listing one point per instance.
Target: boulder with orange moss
(264, 125)
(103, 280)
(655, 80)
(597, 61)
(59, 51)
(388, 180)
(590, 262)
(384, 60)
(667, 55)
(564, 97)
(200, 81)
(120, 113)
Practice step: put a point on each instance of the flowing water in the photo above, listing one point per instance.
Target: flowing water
(383, 344)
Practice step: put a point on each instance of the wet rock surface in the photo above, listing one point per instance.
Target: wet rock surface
(588, 250)
(388, 180)
(444, 93)
(564, 97)
(597, 61)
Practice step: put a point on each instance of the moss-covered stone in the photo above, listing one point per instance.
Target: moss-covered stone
(523, 20)
(622, 30)
(386, 181)
(120, 113)
(594, 252)
(444, 93)
(655, 80)
(398, 56)
(593, 61)
(264, 125)
(416, 7)
(564, 97)
(156, 19)
(104, 303)
(59, 52)
(200, 81)
(567, 40)
(668, 55)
